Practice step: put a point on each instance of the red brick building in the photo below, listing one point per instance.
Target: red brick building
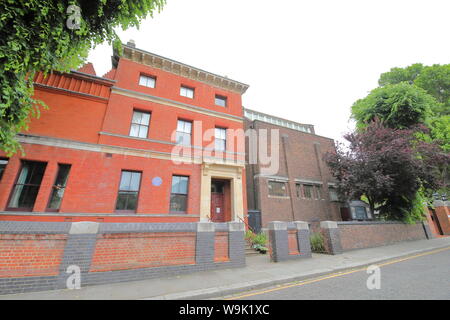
(301, 188)
(108, 148)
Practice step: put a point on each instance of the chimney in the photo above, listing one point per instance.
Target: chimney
(131, 43)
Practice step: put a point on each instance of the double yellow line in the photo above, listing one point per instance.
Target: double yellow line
(334, 275)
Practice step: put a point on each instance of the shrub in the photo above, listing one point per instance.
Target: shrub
(317, 242)
(258, 241)
(249, 236)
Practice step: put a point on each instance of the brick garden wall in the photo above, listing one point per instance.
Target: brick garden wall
(143, 250)
(293, 242)
(27, 255)
(34, 256)
(358, 235)
(344, 236)
(221, 247)
(288, 240)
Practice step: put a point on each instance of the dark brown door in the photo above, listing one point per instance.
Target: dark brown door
(217, 202)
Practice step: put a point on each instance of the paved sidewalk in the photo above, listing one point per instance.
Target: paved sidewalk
(258, 273)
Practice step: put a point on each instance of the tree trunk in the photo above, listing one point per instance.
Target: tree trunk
(372, 207)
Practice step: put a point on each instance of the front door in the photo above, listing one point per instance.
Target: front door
(217, 201)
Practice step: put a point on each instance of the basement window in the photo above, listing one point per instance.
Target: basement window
(307, 191)
(318, 192)
(277, 188)
(333, 194)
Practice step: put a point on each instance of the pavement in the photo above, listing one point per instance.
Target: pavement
(259, 273)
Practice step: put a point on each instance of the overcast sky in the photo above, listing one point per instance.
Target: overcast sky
(307, 61)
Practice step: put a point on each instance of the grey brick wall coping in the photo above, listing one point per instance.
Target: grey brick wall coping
(291, 226)
(30, 227)
(25, 227)
(221, 227)
(440, 203)
(77, 214)
(370, 222)
(147, 227)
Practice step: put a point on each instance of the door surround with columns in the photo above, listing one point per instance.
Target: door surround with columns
(229, 171)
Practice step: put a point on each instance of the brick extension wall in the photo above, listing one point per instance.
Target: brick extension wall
(293, 145)
(357, 236)
(34, 256)
(344, 236)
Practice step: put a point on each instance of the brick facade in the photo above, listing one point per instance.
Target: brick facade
(88, 126)
(300, 161)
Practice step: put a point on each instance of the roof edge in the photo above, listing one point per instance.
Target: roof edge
(182, 69)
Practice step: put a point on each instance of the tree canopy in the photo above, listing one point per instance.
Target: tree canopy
(397, 75)
(389, 167)
(399, 105)
(408, 97)
(435, 80)
(46, 35)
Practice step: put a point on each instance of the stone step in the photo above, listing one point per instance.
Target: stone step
(249, 251)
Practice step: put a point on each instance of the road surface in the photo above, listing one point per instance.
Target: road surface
(422, 276)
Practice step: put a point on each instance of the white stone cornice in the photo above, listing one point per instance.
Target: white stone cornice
(155, 61)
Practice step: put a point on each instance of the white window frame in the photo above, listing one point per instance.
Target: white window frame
(147, 81)
(139, 122)
(224, 99)
(220, 134)
(187, 92)
(184, 129)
